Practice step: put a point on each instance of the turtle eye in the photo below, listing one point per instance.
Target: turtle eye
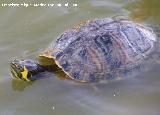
(19, 68)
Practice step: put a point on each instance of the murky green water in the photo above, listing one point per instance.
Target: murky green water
(24, 32)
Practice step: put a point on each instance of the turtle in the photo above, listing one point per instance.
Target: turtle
(95, 50)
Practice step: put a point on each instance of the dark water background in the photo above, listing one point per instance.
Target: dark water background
(24, 32)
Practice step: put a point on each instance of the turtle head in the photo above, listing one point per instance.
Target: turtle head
(26, 69)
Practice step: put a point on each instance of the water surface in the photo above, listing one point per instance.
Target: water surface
(24, 32)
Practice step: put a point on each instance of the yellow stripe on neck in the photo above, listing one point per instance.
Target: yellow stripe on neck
(25, 74)
(15, 74)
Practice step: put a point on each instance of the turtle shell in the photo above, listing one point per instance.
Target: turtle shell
(102, 48)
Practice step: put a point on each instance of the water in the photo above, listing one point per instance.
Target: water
(24, 32)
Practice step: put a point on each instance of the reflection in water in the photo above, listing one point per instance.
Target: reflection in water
(19, 85)
(145, 10)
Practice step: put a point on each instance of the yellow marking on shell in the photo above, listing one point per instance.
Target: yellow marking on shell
(45, 58)
(47, 53)
(25, 74)
(78, 26)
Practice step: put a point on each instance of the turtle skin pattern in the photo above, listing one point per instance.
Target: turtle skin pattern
(102, 49)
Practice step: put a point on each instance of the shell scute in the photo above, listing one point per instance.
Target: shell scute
(66, 66)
